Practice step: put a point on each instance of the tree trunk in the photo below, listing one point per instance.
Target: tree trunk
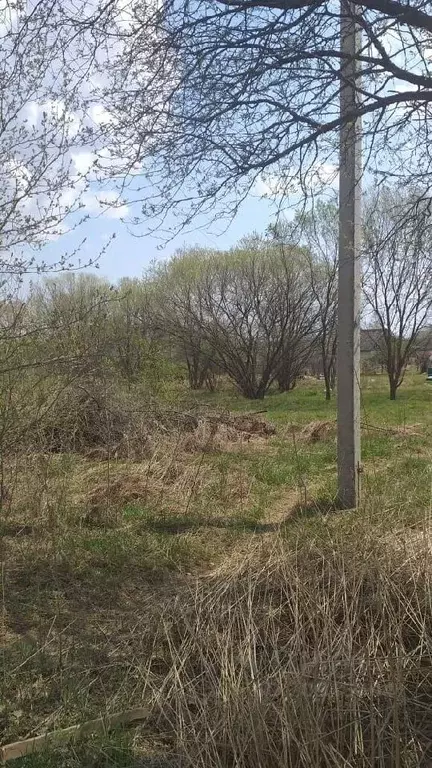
(286, 380)
(327, 381)
(196, 371)
(329, 370)
(193, 383)
(252, 394)
(210, 381)
(251, 388)
(393, 390)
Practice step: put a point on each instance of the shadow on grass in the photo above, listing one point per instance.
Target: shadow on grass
(54, 760)
(175, 526)
(8, 528)
(72, 606)
(62, 627)
(314, 508)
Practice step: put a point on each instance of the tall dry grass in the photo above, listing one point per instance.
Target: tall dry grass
(313, 655)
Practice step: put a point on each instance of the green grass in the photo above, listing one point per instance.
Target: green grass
(84, 587)
(306, 402)
(115, 749)
(311, 464)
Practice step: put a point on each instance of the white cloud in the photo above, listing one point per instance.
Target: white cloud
(125, 11)
(8, 18)
(19, 172)
(60, 229)
(100, 115)
(54, 109)
(107, 204)
(72, 194)
(401, 86)
(31, 113)
(268, 185)
(83, 161)
(323, 173)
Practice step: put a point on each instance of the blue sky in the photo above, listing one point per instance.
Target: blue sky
(133, 249)
(129, 254)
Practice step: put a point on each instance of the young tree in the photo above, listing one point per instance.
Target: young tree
(301, 330)
(397, 274)
(68, 316)
(177, 311)
(318, 230)
(244, 298)
(133, 340)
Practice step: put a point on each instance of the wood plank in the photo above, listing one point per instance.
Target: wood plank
(64, 735)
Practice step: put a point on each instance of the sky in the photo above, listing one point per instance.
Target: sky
(132, 250)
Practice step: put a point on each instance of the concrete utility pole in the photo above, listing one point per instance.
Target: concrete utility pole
(349, 278)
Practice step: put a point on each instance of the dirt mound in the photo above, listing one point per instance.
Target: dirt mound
(222, 432)
(251, 425)
(316, 431)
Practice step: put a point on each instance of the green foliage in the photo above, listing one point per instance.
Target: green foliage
(241, 312)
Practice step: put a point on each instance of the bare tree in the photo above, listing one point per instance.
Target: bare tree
(319, 232)
(52, 153)
(398, 274)
(236, 314)
(177, 312)
(244, 297)
(132, 337)
(204, 100)
(210, 98)
(238, 311)
(68, 318)
(301, 330)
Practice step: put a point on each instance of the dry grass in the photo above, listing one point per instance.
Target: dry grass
(208, 570)
(94, 487)
(401, 430)
(103, 422)
(314, 655)
(321, 430)
(317, 431)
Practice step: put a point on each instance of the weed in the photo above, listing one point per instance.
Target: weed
(271, 628)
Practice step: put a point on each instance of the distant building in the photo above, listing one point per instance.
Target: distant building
(423, 353)
(373, 349)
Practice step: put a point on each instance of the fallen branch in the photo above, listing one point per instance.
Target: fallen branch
(64, 735)
(406, 429)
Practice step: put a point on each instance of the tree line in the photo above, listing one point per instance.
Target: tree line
(261, 313)
(266, 311)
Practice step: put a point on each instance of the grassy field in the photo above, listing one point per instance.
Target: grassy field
(217, 574)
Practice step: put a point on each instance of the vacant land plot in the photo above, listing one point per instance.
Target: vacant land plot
(215, 582)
